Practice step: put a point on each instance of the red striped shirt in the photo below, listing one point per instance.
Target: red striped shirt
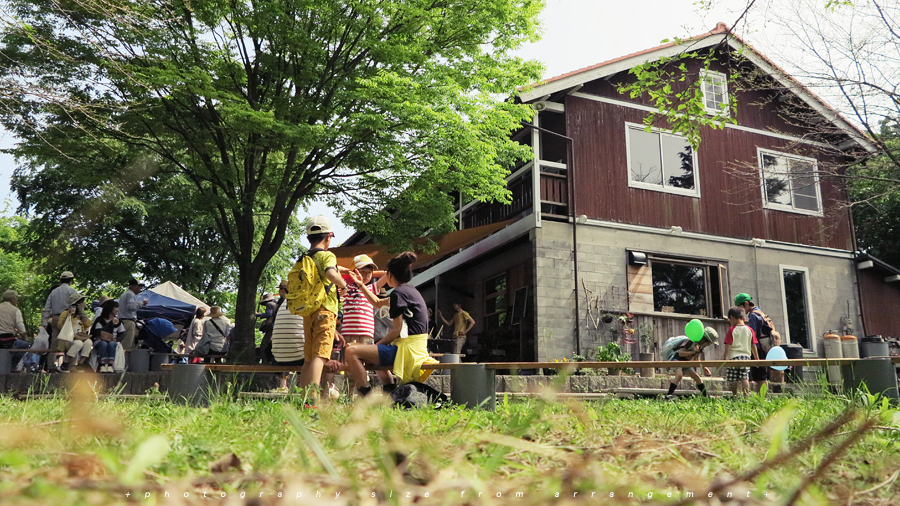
(359, 316)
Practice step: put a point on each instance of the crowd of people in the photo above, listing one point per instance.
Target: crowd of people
(321, 335)
(322, 321)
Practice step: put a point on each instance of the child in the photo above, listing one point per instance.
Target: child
(407, 308)
(319, 328)
(359, 316)
(685, 350)
(740, 344)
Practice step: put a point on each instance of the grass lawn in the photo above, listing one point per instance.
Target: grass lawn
(66, 452)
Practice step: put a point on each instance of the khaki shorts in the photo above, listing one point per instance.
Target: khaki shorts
(319, 329)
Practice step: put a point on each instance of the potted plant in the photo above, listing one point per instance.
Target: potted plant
(645, 333)
(612, 353)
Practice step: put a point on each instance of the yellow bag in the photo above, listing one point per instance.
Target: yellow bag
(306, 289)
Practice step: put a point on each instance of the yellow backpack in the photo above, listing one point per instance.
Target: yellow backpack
(306, 288)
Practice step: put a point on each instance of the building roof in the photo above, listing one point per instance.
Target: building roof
(719, 35)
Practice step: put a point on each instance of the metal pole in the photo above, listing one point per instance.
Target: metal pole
(570, 189)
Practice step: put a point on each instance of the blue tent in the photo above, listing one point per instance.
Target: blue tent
(160, 306)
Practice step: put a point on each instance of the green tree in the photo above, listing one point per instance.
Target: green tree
(263, 105)
(21, 273)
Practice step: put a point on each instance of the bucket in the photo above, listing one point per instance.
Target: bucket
(157, 360)
(833, 350)
(873, 346)
(849, 346)
(139, 360)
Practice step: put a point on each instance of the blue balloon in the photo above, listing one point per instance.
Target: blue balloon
(777, 353)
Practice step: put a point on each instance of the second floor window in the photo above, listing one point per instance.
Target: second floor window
(659, 160)
(789, 182)
(715, 92)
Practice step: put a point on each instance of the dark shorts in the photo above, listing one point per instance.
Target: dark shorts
(759, 373)
(387, 353)
(685, 370)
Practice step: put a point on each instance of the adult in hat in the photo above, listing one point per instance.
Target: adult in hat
(128, 306)
(12, 326)
(57, 302)
(682, 349)
(216, 329)
(78, 350)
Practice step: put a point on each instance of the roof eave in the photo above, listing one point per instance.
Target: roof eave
(616, 66)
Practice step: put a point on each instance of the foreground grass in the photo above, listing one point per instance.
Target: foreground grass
(69, 452)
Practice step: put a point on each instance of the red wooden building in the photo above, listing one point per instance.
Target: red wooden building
(614, 217)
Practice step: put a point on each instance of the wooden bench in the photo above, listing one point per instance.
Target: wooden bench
(472, 384)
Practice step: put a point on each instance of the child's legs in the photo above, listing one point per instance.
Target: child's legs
(311, 372)
(696, 377)
(679, 374)
(745, 386)
(357, 356)
(385, 377)
(319, 330)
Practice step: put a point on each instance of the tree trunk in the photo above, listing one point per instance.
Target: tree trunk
(244, 343)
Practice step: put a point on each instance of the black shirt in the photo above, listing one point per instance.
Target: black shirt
(407, 301)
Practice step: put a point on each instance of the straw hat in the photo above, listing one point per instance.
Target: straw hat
(215, 312)
(360, 261)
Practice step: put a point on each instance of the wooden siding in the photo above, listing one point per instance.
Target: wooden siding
(880, 303)
(756, 108)
(731, 202)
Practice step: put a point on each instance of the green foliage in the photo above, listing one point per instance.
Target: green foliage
(612, 352)
(677, 94)
(20, 272)
(385, 106)
(875, 192)
(522, 446)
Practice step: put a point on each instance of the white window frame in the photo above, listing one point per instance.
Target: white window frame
(781, 207)
(786, 335)
(660, 188)
(724, 111)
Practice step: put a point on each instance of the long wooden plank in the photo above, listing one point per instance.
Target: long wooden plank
(672, 364)
(570, 365)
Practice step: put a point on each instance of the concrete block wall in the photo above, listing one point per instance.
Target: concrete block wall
(602, 265)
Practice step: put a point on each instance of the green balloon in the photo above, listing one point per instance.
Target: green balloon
(694, 330)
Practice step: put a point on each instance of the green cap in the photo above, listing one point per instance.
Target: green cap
(742, 298)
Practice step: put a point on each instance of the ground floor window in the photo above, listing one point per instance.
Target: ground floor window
(495, 302)
(682, 285)
(797, 309)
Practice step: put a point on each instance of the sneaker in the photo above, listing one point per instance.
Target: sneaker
(64, 368)
(670, 397)
(106, 368)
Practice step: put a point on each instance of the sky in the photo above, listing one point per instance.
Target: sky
(577, 33)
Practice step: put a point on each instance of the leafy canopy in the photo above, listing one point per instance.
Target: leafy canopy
(260, 106)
